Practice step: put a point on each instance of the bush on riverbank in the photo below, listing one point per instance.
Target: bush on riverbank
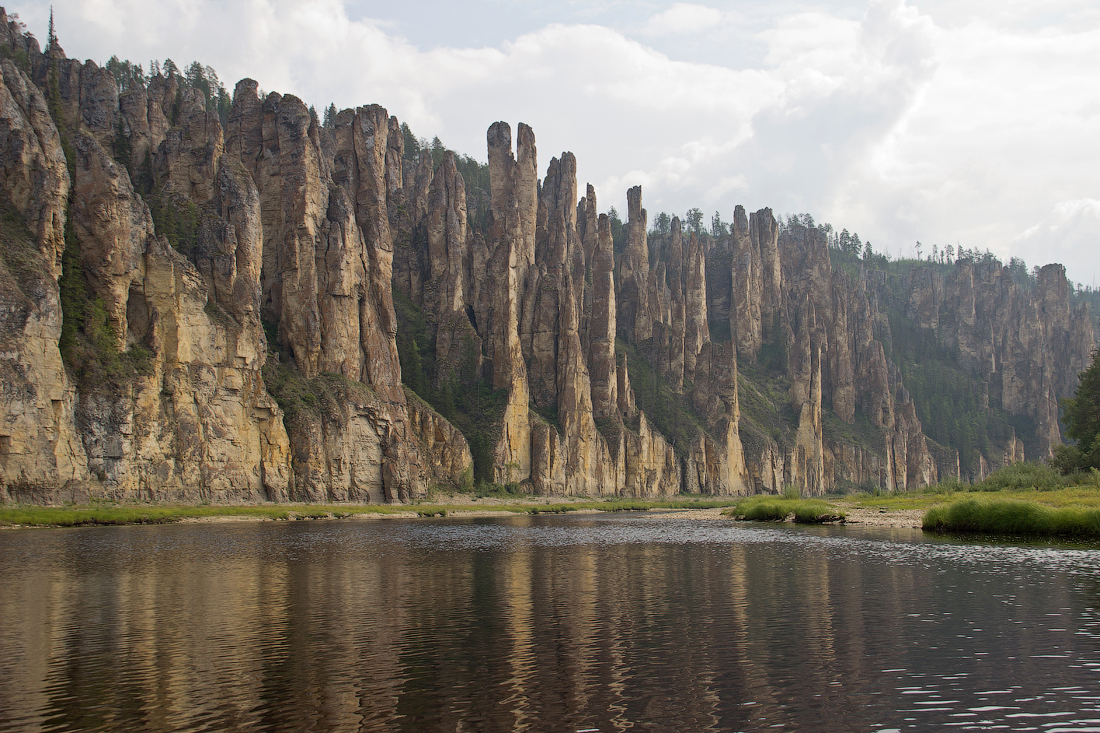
(1025, 475)
(1013, 517)
(778, 508)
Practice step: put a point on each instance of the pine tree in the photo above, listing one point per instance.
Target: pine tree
(1081, 414)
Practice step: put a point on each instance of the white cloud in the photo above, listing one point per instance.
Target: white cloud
(1071, 232)
(683, 18)
(968, 125)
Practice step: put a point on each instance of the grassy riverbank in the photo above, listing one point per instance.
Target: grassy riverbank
(1024, 499)
(1027, 499)
(1014, 517)
(115, 514)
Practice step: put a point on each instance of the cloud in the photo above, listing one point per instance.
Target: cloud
(683, 18)
(967, 126)
(1071, 232)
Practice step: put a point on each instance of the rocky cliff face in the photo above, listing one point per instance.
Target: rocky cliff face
(1026, 344)
(277, 230)
(195, 311)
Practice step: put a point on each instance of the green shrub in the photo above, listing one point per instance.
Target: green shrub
(1026, 475)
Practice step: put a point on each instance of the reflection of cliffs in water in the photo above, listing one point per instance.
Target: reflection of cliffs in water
(532, 624)
(269, 308)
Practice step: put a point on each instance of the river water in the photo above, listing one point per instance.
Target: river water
(589, 622)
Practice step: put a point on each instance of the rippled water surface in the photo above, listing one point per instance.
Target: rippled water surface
(605, 622)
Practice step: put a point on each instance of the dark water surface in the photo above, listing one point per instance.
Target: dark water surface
(542, 624)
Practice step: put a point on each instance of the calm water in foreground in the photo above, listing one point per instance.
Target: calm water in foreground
(608, 622)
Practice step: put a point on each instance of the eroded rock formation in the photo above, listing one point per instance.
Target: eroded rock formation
(240, 277)
(1026, 344)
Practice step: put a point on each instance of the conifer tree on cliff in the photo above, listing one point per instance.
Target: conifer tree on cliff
(1081, 414)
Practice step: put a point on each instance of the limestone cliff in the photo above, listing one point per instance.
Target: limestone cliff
(256, 306)
(268, 229)
(1025, 342)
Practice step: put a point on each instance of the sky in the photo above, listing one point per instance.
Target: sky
(966, 122)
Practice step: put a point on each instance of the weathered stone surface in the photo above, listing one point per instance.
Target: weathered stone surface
(1028, 345)
(603, 323)
(511, 250)
(635, 320)
(274, 239)
(447, 291)
(99, 109)
(446, 459)
(41, 456)
(201, 427)
(34, 178)
(833, 358)
(304, 231)
(696, 328)
(191, 150)
(114, 228)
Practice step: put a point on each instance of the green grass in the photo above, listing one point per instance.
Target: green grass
(778, 508)
(111, 514)
(1014, 517)
(164, 514)
(1027, 499)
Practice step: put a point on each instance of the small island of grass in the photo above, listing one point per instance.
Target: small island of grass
(772, 508)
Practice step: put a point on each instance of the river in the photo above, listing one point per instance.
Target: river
(548, 623)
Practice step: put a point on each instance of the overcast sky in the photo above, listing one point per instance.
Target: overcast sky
(969, 122)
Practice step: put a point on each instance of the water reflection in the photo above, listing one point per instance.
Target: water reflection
(542, 623)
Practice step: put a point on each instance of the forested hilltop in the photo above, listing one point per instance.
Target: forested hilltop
(232, 298)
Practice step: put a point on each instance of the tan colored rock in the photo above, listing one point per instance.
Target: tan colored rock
(395, 154)
(411, 258)
(448, 260)
(445, 454)
(35, 178)
(841, 367)
(191, 151)
(651, 466)
(201, 427)
(377, 320)
(746, 265)
(634, 319)
(312, 228)
(602, 362)
(113, 227)
(696, 328)
(628, 408)
(41, 455)
(541, 326)
(511, 248)
(1027, 344)
(586, 456)
(244, 124)
(99, 109)
(672, 359)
